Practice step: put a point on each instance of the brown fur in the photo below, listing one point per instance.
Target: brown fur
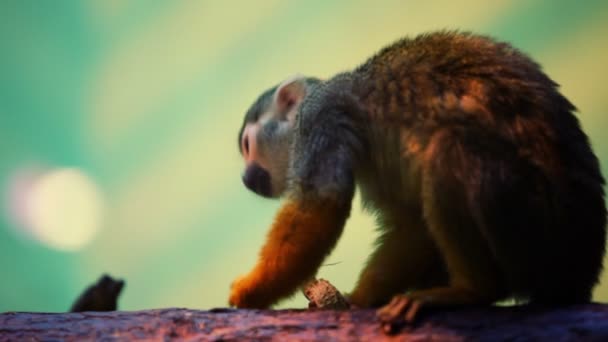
(296, 245)
(484, 184)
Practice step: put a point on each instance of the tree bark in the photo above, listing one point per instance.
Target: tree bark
(525, 323)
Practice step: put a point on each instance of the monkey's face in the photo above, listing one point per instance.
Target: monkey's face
(265, 149)
(265, 138)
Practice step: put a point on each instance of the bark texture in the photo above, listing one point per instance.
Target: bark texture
(584, 322)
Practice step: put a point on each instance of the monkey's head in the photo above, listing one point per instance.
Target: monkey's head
(266, 134)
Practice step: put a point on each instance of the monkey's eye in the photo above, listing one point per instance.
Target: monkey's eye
(245, 145)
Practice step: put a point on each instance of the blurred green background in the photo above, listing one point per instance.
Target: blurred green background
(118, 123)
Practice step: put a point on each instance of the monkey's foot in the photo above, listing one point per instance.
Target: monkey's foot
(401, 309)
(406, 308)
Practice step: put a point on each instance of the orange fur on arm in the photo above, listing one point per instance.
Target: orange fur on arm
(302, 235)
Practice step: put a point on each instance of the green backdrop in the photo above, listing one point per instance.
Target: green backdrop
(143, 100)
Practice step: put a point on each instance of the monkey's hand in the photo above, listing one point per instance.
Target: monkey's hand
(242, 293)
(247, 292)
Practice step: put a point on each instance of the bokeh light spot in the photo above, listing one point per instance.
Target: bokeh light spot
(62, 208)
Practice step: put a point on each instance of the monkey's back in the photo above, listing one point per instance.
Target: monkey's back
(431, 93)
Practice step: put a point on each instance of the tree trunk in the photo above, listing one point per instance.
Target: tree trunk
(583, 322)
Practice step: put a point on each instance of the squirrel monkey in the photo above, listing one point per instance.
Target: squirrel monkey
(483, 184)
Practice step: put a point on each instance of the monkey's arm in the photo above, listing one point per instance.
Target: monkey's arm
(300, 238)
(311, 220)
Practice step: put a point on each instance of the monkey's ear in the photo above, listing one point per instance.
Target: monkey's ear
(289, 94)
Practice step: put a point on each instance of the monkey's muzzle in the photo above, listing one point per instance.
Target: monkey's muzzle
(257, 180)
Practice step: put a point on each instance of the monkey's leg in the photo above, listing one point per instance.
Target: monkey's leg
(405, 258)
(451, 183)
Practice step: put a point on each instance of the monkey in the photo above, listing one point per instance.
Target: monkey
(482, 182)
